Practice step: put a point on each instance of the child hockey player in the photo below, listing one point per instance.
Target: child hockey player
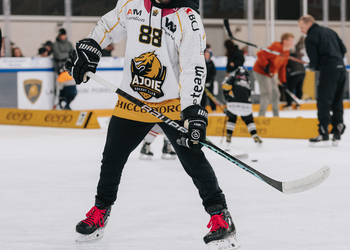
(168, 152)
(237, 92)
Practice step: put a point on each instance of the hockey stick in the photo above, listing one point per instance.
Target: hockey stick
(287, 187)
(230, 35)
(215, 100)
(292, 95)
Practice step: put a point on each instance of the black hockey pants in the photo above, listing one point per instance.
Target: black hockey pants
(330, 96)
(125, 135)
(295, 85)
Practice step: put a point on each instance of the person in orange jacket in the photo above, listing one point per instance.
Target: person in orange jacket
(270, 70)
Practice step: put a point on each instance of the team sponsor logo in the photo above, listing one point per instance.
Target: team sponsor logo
(19, 116)
(192, 17)
(32, 89)
(148, 75)
(58, 118)
(135, 12)
(170, 25)
(161, 109)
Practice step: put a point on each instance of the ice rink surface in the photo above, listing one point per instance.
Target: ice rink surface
(48, 180)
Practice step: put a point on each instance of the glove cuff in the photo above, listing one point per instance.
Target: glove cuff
(90, 45)
(195, 112)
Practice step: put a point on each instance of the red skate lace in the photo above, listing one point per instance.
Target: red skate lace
(216, 222)
(95, 216)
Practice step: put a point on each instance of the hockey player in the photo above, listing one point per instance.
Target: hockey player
(237, 92)
(168, 152)
(165, 68)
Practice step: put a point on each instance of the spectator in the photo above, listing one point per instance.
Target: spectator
(42, 52)
(16, 52)
(61, 49)
(295, 74)
(209, 81)
(48, 45)
(235, 57)
(266, 69)
(326, 52)
(108, 50)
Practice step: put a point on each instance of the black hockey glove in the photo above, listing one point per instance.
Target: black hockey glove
(84, 59)
(195, 119)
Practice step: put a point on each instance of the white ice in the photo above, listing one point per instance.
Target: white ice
(48, 180)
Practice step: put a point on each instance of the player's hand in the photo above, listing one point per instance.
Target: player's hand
(195, 120)
(84, 59)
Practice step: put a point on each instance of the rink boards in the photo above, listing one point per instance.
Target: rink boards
(49, 118)
(268, 127)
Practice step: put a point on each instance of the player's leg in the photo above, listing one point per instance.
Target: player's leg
(146, 152)
(291, 86)
(265, 88)
(199, 169)
(325, 93)
(249, 121)
(122, 138)
(275, 96)
(230, 127)
(338, 109)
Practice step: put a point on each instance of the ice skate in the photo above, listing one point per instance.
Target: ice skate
(222, 235)
(92, 228)
(168, 152)
(337, 132)
(257, 139)
(146, 153)
(320, 141)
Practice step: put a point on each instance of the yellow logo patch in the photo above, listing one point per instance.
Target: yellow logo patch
(32, 88)
(148, 75)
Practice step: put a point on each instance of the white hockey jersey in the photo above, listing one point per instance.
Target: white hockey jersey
(164, 59)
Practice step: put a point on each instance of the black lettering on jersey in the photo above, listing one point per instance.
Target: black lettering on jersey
(192, 17)
(137, 12)
(198, 80)
(170, 25)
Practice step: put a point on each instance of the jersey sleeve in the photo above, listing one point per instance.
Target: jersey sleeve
(111, 27)
(191, 58)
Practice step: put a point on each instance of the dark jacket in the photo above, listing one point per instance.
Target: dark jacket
(324, 47)
(61, 50)
(211, 73)
(237, 58)
(294, 68)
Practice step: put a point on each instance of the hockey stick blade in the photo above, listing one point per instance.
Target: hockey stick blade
(294, 97)
(306, 183)
(284, 187)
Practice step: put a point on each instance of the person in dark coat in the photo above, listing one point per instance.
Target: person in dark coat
(326, 52)
(235, 56)
(295, 74)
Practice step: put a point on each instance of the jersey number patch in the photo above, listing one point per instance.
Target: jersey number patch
(150, 35)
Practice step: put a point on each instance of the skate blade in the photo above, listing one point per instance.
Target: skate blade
(321, 144)
(228, 243)
(98, 234)
(168, 157)
(146, 157)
